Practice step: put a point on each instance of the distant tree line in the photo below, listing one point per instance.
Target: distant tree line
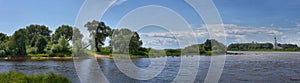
(209, 47)
(261, 47)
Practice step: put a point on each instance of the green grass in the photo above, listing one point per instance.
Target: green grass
(17, 77)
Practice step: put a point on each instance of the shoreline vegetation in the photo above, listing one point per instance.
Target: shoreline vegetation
(18, 77)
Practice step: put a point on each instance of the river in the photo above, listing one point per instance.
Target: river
(260, 67)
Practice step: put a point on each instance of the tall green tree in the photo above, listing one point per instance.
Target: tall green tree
(78, 45)
(77, 35)
(3, 41)
(65, 31)
(18, 43)
(64, 43)
(99, 31)
(125, 40)
(34, 30)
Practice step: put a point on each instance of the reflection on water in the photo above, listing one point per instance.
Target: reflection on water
(248, 67)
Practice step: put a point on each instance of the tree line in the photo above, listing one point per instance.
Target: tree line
(261, 47)
(38, 40)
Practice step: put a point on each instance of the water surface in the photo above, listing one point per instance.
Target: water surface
(276, 67)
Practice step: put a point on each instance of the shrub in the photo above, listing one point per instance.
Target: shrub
(17, 77)
(56, 48)
(32, 50)
(2, 53)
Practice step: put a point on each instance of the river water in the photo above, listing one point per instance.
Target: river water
(259, 67)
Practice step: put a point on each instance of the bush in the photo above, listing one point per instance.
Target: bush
(3, 53)
(32, 50)
(105, 50)
(38, 55)
(56, 48)
(17, 77)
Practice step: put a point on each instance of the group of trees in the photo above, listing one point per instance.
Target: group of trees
(249, 46)
(36, 39)
(39, 40)
(291, 47)
(208, 47)
(121, 40)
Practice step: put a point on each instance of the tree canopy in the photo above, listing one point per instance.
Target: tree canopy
(34, 30)
(65, 31)
(18, 43)
(98, 31)
(125, 40)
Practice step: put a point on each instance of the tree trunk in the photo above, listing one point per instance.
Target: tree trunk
(97, 47)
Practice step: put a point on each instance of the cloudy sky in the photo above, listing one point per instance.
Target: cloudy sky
(243, 20)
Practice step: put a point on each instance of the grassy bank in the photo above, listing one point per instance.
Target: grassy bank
(17, 77)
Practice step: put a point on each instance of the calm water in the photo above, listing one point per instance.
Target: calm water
(276, 67)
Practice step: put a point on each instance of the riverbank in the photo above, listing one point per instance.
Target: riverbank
(37, 58)
(51, 58)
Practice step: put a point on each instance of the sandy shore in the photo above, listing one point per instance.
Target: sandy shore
(102, 56)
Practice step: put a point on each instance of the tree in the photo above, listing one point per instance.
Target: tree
(99, 31)
(135, 44)
(3, 40)
(41, 43)
(65, 45)
(125, 40)
(77, 35)
(65, 31)
(18, 43)
(78, 45)
(214, 46)
(34, 30)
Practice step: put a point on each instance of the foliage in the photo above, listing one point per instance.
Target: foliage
(34, 30)
(126, 41)
(38, 55)
(3, 53)
(17, 77)
(105, 50)
(65, 31)
(17, 45)
(173, 52)
(99, 31)
(249, 46)
(57, 48)
(32, 50)
(289, 46)
(3, 44)
(214, 46)
(41, 43)
(65, 45)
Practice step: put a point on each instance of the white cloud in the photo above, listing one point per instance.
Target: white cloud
(118, 2)
(234, 33)
(298, 25)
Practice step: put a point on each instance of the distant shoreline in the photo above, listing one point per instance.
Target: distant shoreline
(99, 56)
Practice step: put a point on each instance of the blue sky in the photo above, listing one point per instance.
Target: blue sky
(244, 20)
